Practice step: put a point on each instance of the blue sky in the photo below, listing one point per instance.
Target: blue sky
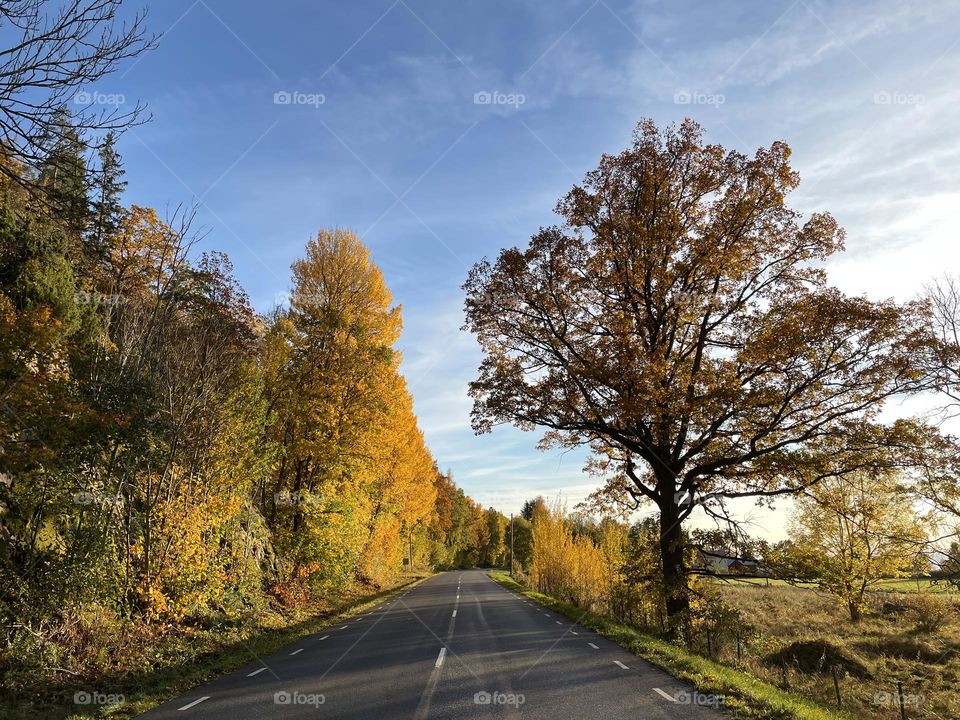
(385, 133)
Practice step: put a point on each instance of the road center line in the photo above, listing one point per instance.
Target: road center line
(558, 622)
(423, 707)
(574, 632)
(662, 694)
(256, 672)
(344, 627)
(617, 662)
(195, 702)
(299, 650)
(324, 637)
(593, 646)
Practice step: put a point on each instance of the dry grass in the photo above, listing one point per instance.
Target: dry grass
(911, 638)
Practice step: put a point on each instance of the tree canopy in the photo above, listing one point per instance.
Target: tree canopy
(679, 323)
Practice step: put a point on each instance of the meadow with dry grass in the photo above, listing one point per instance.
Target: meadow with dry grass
(907, 638)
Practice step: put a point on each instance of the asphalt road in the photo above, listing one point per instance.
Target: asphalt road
(456, 646)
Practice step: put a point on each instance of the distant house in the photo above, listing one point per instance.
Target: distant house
(713, 562)
(723, 564)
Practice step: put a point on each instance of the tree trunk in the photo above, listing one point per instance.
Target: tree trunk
(676, 592)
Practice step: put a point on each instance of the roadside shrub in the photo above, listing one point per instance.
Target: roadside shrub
(888, 604)
(932, 612)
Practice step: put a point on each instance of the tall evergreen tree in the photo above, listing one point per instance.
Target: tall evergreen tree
(106, 210)
(63, 177)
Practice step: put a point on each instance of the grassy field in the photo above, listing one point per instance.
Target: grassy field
(906, 637)
(166, 666)
(921, 585)
(905, 585)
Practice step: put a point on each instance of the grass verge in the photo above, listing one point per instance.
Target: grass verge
(744, 695)
(190, 666)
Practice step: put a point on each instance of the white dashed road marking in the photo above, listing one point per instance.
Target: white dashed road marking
(617, 662)
(257, 672)
(662, 694)
(300, 650)
(195, 702)
(443, 651)
(454, 613)
(593, 646)
(324, 637)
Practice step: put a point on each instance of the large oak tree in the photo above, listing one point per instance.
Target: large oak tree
(679, 324)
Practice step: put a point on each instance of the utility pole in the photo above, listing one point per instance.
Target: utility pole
(511, 544)
(411, 549)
